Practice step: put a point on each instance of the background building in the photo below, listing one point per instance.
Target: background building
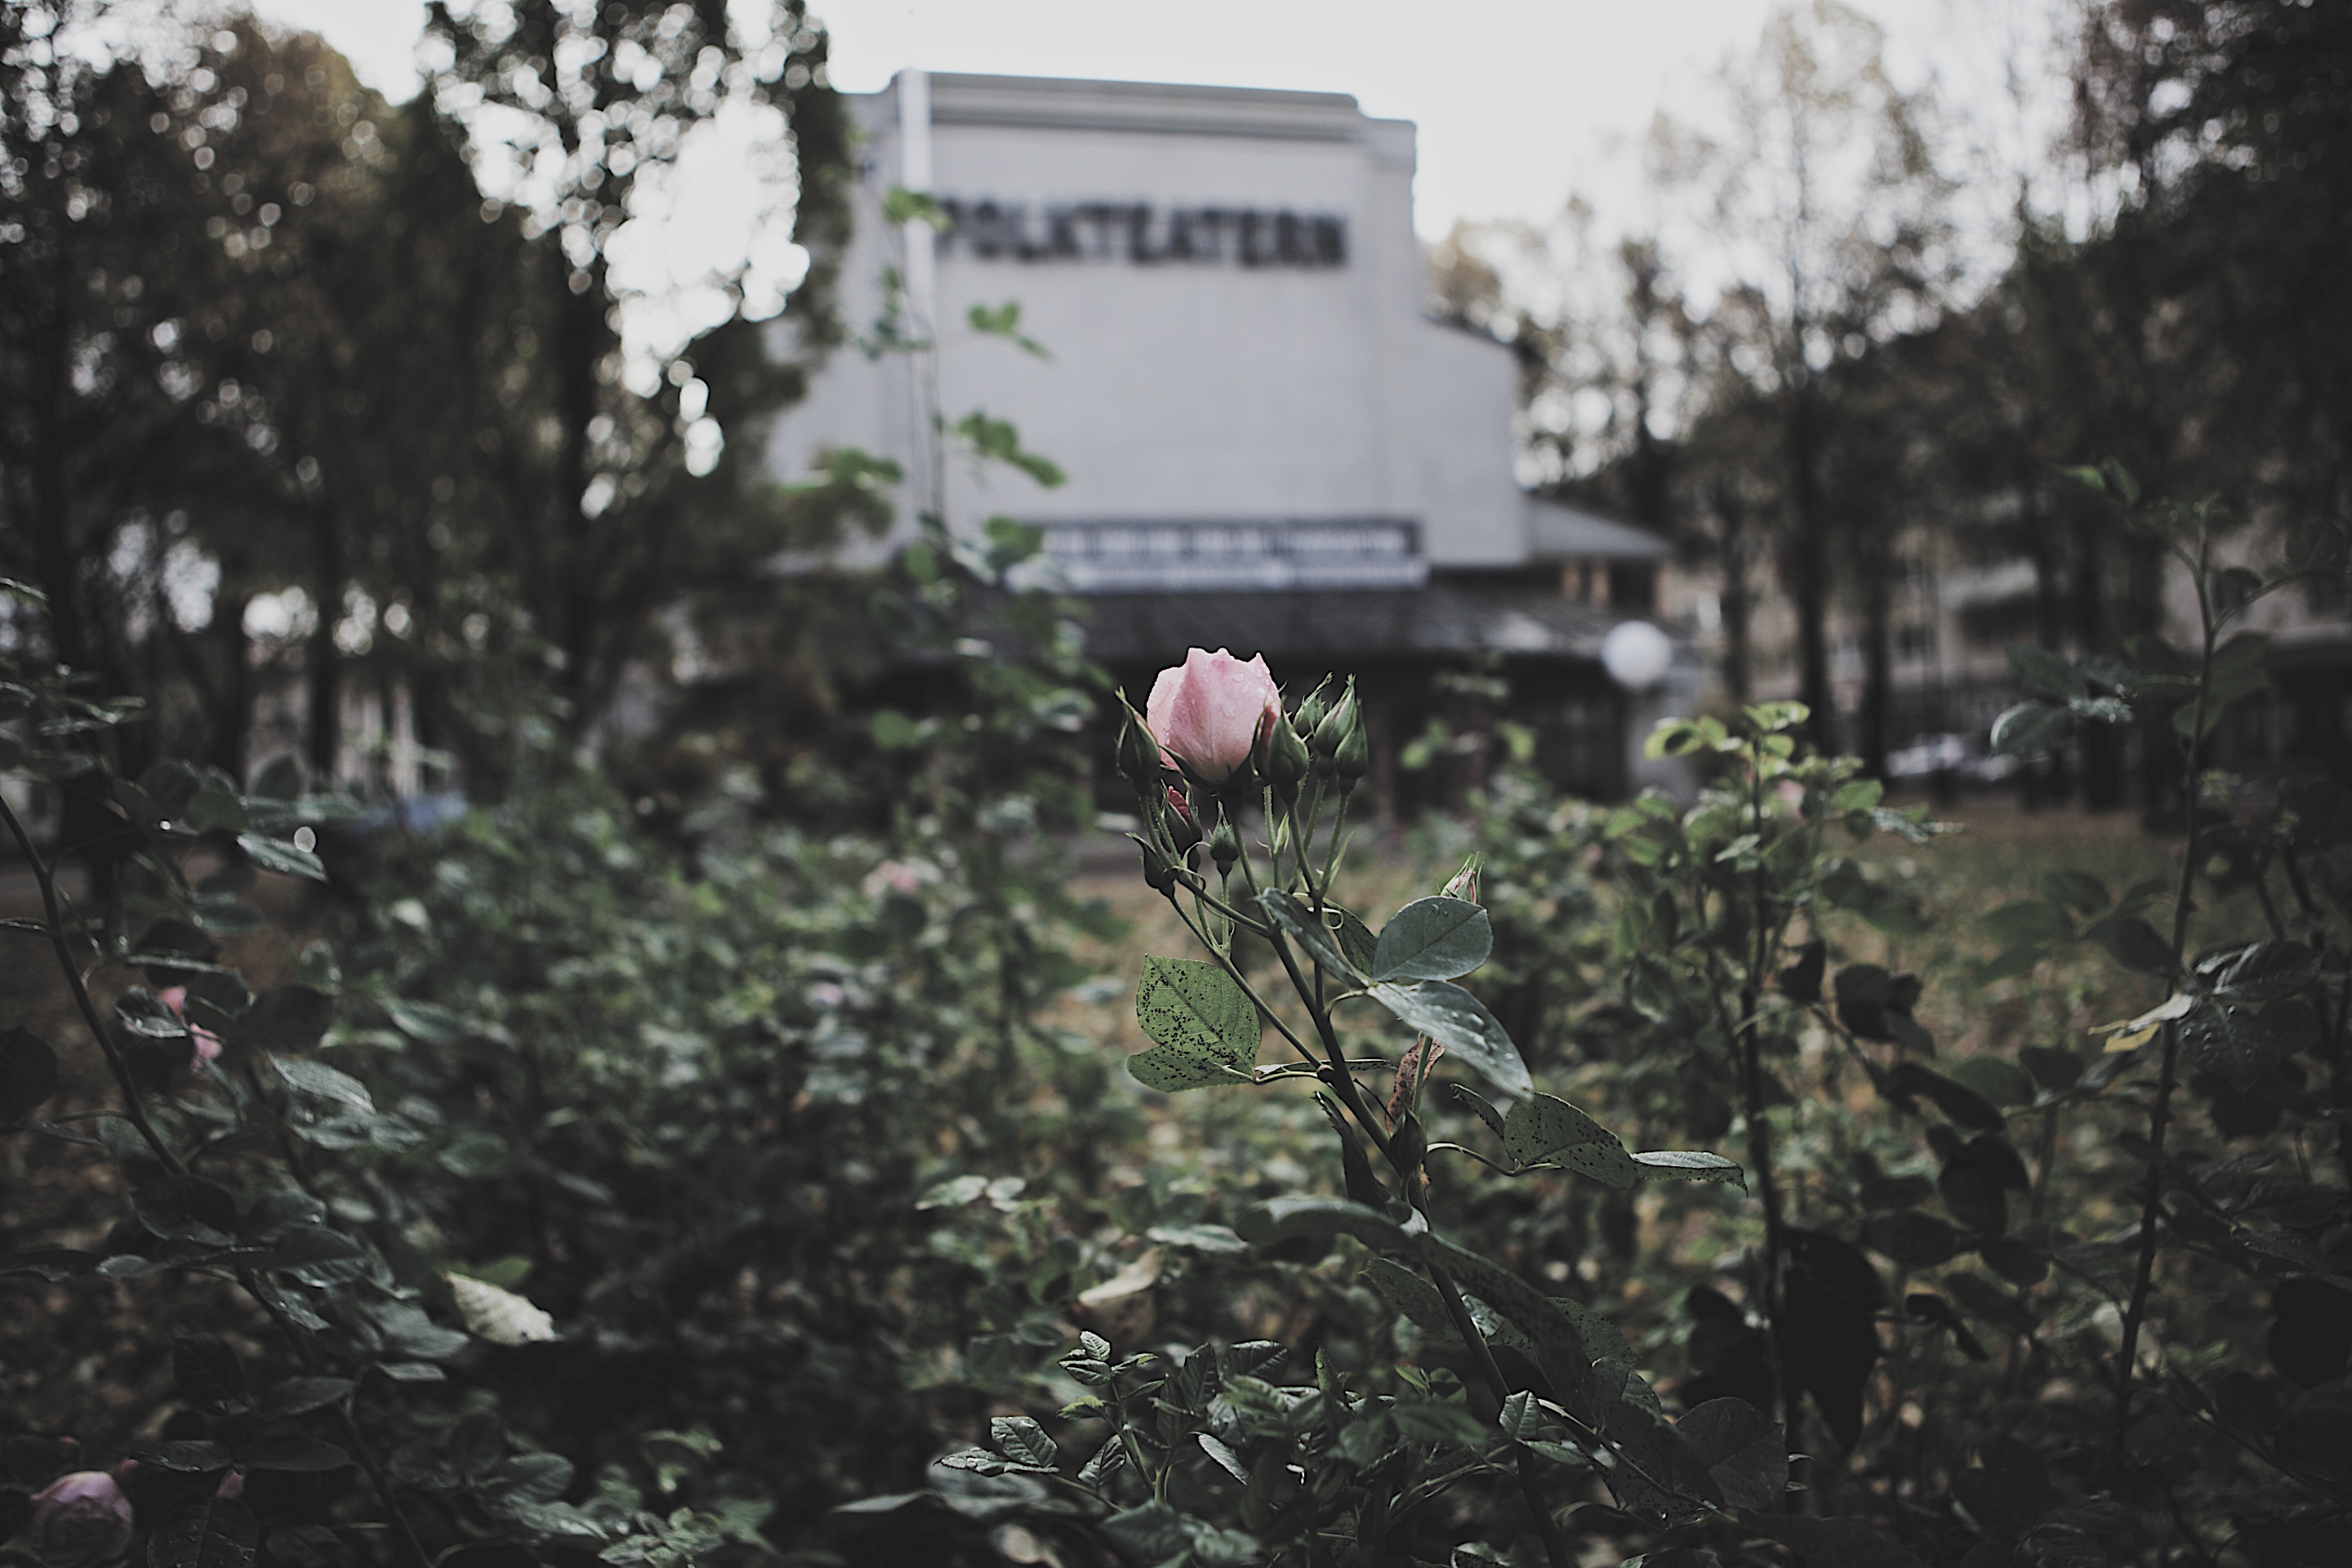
(1269, 445)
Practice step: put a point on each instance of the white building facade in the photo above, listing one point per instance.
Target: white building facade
(1235, 372)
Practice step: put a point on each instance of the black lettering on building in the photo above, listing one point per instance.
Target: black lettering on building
(1143, 234)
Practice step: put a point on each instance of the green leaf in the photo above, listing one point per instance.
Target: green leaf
(1414, 1297)
(2013, 925)
(1690, 1165)
(300, 1396)
(2241, 654)
(894, 732)
(1542, 1130)
(1477, 1103)
(214, 810)
(2245, 1045)
(2029, 730)
(1024, 1442)
(1915, 1240)
(1151, 1534)
(2050, 1068)
(2047, 673)
(1560, 1347)
(321, 1081)
(286, 1018)
(1965, 1106)
(1279, 1219)
(1435, 1421)
(1432, 939)
(1459, 1022)
(2135, 945)
(1210, 1238)
(193, 1456)
(2078, 890)
(316, 1255)
(1205, 1029)
(424, 1021)
(207, 1373)
(1999, 1082)
(2261, 971)
(1742, 1449)
(2017, 960)
(534, 1477)
(1858, 794)
(200, 1530)
(1295, 920)
(953, 1192)
(187, 1208)
(272, 854)
(291, 1452)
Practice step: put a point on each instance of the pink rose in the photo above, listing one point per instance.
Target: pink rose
(1208, 713)
(82, 1521)
(207, 1044)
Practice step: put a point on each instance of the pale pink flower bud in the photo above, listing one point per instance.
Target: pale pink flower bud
(207, 1044)
(1208, 712)
(82, 1521)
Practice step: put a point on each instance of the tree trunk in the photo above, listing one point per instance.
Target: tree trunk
(324, 675)
(1805, 570)
(580, 341)
(2103, 744)
(1878, 662)
(88, 826)
(232, 727)
(1731, 556)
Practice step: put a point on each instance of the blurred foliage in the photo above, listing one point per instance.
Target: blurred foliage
(707, 1145)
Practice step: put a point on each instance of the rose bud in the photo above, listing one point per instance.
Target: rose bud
(1464, 884)
(1311, 710)
(1139, 757)
(1183, 832)
(1285, 760)
(207, 1044)
(82, 1521)
(1355, 758)
(1224, 844)
(1209, 713)
(1159, 871)
(1333, 731)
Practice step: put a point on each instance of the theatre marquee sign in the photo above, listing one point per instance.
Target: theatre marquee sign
(1144, 234)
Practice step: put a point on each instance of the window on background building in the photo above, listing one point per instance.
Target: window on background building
(1633, 585)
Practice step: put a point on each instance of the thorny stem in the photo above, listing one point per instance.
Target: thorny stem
(352, 1438)
(1556, 1548)
(2160, 1114)
(1749, 1048)
(135, 1109)
(1335, 1074)
(134, 1106)
(1343, 1082)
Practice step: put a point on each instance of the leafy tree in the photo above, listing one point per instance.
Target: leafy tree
(596, 107)
(1833, 213)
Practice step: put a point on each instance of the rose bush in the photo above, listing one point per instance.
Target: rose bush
(1209, 713)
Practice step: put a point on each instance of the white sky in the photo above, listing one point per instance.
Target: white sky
(1517, 101)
